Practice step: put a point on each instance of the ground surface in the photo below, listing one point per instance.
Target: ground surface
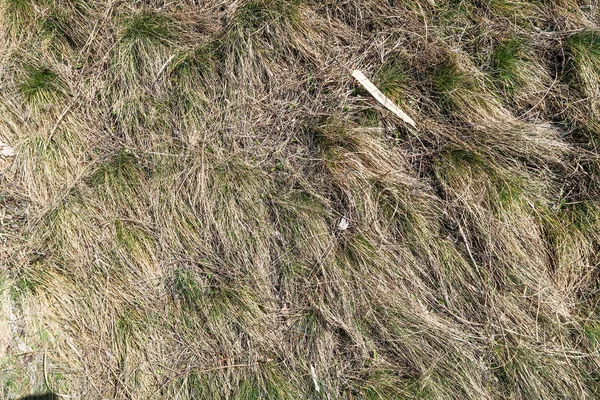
(170, 223)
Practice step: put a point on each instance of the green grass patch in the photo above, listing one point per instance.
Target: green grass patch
(451, 86)
(392, 78)
(145, 42)
(448, 78)
(135, 240)
(57, 26)
(188, 289)
(584, 46)
(381, 384)
(259, 14)
(122, 170)
(40, 85)
(266, 25)
(584, 64)
(459, 169)
(506, 63)
(148, 28)
(119, 178)
(201, 62)
(21, 14)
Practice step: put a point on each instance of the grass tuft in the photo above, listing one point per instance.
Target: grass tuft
(392, 79)
(259, 14)
(19, 15)
(148, 28)
(584, 49)
(506, 63)
(40, 85)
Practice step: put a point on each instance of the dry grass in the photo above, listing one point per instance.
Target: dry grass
(170, 224)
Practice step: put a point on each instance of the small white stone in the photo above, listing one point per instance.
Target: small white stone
(6, 150)
(343, 224)
(22, 347)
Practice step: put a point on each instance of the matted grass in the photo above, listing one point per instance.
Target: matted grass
(204, 204)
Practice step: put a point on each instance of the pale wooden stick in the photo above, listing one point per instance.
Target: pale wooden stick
(382, 98)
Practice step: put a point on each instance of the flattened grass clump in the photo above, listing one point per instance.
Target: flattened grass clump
(138, 94)
(265, 34)
(507, 64)
(49, 164)
(448, 78)
(120, 171)
(40, 85)
(20, 15)
(59, 27)
(135, 245)
(461, 93)
(200, 63)
(195, 79)
(255, 15)
(188, 289)
(141, 49)
(238, 193)
(584, 46)
(519, 72)
(392, 78)
(499, 189)
(119, 179)
(584, 49)
(147, 29)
